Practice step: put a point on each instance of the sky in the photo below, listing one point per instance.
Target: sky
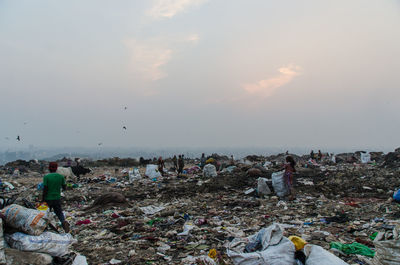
(193, 73)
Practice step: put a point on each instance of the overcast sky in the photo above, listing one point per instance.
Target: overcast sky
(194, 73)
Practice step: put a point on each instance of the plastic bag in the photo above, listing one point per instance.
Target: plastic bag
(51, 243)
(365, 158)
(279, 185)
(134, 174)
(316, 255)
(262, 186)
(353, 248)
(396, 196)
(30, 221)
(270, 246)
(152, 171)
(209, 170)
(80, 260)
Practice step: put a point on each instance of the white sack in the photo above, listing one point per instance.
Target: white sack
(316, 255)
(279, 185)
(51, 243)
(152, 171)
(209, 170)
(262, 186)
(276, 249)
(30, 221)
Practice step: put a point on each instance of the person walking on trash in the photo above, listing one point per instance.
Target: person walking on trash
(289, 167)
(181, 164)
(53, 183)
(161, 165)
(203, 160)
(175, 161)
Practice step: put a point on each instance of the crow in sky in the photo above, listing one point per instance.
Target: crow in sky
(18, 138)
(124, 127)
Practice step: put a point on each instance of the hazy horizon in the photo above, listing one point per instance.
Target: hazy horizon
(200, 74)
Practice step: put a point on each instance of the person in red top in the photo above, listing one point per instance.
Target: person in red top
(289, 167)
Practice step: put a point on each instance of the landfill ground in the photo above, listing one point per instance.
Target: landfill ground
(343, 202)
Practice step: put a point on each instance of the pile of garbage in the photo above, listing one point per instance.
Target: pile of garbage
(225, 212)
(27, 240)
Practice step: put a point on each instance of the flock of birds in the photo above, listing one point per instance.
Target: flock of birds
(99, 144)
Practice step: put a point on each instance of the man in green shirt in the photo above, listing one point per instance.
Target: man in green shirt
(53, 183)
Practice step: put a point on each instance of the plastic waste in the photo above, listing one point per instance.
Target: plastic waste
(396, 196)
(316, 255)
(134, 174)
(186, 229)
(270, 245)
(190, 260)
(80, 260)
(51, 243)
(209, 170)
(298, 242)
(151, 209)
(353, 248)
(30, 221)
(152, 171)
(365, 158)
(279, 185)
(262, 187)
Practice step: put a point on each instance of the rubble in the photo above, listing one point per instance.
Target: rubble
(193, 217)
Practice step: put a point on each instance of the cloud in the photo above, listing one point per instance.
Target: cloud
(193, 38)
(169, 8)
(147, 58)
(268, 86)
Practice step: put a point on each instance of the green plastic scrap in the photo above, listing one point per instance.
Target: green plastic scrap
(353, 248)
(372, 237)
(152, 221)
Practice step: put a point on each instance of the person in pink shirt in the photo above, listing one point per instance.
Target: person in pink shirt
(289, 167)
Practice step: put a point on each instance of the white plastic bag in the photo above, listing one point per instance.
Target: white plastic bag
(278, 183)
(134, 175)
(30, 221)
(365, 158)
(152, 171)
(275, 248)
(80, 260)
(51, 243)
(316, 255)
(262, 186)
(209, 170)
